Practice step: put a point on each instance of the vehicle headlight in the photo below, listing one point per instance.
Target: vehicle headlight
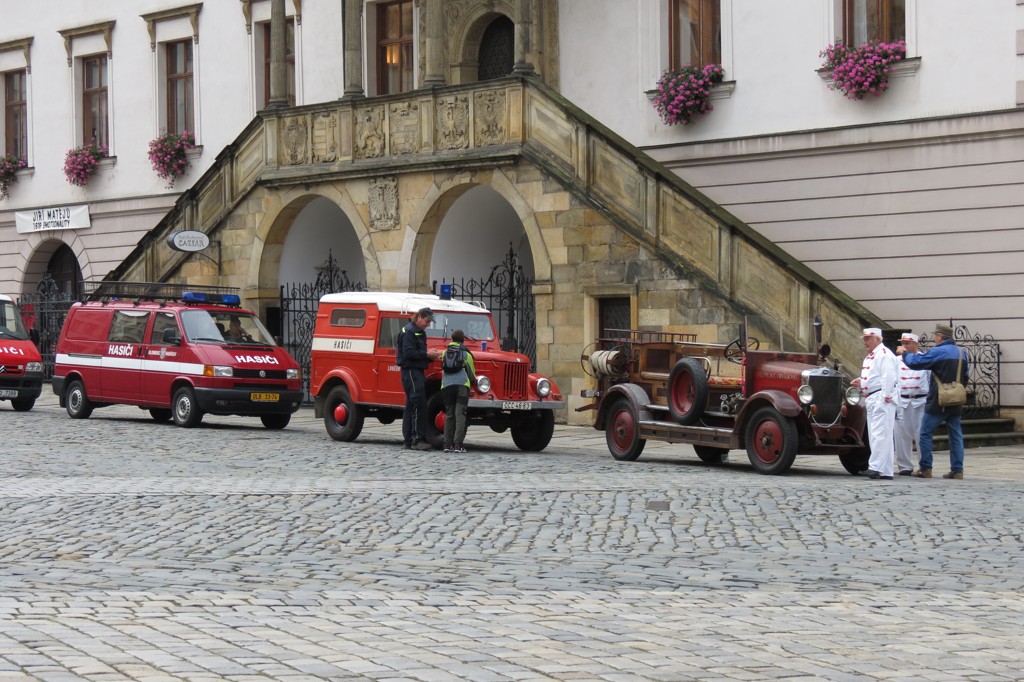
(293, 373)
(34, 367)
(218, 371)
(805, 394)
(853, 396)
(483, 384)
(543, 388)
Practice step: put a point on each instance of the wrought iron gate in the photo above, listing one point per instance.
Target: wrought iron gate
(44, 311)
(983, 385)
(508, 294)
(299, 302)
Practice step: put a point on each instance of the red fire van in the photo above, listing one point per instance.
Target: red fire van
(178, 351)
(21, 367)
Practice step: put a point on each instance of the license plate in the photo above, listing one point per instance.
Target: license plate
(264, 397)
(514, 405)
(8, 393)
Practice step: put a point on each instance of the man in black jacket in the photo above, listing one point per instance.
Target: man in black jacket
(412, 357)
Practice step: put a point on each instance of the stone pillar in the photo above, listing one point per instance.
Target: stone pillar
(278, 62)
(352, 39)
(523, 38)
(435, 50)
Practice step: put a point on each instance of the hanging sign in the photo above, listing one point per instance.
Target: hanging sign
(55, 218)
(188, 240)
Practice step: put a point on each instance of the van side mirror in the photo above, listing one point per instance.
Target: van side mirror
(278, 340)
(33, 334)
(171, 337)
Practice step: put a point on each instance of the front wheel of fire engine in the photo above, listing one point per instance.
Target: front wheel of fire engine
(710, 455)
(160, 414)
(275, 421)
(687, 391)
(77, 402)
(855, 461)
(533, 435)
(622, 432)
(23, 405)
(342, 417)
(435, 420)
(185, 410)
(771, 441)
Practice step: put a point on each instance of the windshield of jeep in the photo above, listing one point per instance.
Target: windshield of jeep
(226, 326)
(11, 325)
(476, 326)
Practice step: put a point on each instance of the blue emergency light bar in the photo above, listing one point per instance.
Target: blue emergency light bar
(446, 292)
(203, 297)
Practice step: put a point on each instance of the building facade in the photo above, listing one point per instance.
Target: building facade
(906, 202)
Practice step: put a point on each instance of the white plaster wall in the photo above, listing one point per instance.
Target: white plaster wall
(612, 52)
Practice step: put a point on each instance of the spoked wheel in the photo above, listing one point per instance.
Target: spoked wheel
(771, 441)
(687, 391)
(342, 418)
(734, 351)
(711, 455)
(622, 431)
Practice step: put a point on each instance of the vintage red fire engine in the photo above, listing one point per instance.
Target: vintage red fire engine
(775, 404)
(178, 351)
(354, 375)
(21, 366)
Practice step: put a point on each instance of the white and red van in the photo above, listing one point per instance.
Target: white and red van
(353, 374)
(21, 367)
(178, 351)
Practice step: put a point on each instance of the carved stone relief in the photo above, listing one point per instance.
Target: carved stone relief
(294, 133)
(383, 202)
(489, 117)
(325, 137)
(369, 137)
(452, 122)
(404, 127)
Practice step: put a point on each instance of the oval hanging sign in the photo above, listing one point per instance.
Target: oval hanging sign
(188, 240)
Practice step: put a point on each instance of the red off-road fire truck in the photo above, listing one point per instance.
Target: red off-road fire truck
(775, 404)
(354, 376)
(21, 366)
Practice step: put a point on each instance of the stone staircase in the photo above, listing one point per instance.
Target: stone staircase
(982, 432)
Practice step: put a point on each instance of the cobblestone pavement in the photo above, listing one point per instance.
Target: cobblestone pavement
(142, 551)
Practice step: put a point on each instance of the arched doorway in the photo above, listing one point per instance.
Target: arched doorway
(482, 250)
(497, 50)
(321, 254)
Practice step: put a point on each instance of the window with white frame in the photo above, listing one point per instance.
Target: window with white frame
(263, 57)
(870, 21)
(173, 36)
(15, 113)
(695, 32)
(95, 103)
(179, 113)
(393, 45)
(89, 51)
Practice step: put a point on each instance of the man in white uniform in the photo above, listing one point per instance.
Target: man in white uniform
(913, 394)
(878, 383)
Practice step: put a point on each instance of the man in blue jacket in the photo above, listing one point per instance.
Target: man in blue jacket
(943, 359)
(412, 356)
